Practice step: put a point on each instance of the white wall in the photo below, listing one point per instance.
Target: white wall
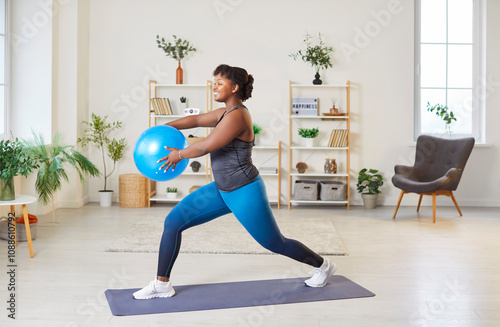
(259, 35)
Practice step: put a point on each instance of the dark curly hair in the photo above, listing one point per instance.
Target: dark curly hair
(238, 76)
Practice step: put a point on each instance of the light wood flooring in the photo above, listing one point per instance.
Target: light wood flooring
(423, 274)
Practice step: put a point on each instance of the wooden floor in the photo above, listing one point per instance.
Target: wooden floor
(423, 274)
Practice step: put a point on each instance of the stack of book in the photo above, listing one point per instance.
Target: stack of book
(338, 138)
(161, 106)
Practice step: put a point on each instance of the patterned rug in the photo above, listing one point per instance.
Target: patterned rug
(225, 235)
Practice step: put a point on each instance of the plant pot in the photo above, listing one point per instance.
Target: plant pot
(106, 198)
(171, 195)
(178, 74)
(301, 170)
(369, 200)
(307, 141)
(7, 192)
(195, 170)
(317, 81)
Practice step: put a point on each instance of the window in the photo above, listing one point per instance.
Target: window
(3, 66)
(448, 66)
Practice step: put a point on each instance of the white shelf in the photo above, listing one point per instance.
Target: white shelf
(319, 117)
(265, 147)
(181, 85)
(160, 198)
(318, 202)
(318, 148)
(191, 173)
(319, 86)
(319, 175)
(169, 116)
(268, 174)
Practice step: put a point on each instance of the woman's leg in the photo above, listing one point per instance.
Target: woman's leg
(251, 207)
(197, 208)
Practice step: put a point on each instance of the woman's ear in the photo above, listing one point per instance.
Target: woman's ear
(236, 87)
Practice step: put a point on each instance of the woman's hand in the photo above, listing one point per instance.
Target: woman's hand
(171, 159)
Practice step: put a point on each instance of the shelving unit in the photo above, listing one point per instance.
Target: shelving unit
(277, 153)
(297, 152)
(173, 91)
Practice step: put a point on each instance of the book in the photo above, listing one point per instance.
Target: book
(305, 106)
(338, 138)
(169, 107)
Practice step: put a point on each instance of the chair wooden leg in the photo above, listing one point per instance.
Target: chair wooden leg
(456, 204)
(434, 207)
(419, 202)
(13, 211)
(399, 202)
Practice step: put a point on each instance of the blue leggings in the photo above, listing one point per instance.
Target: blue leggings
(250, 206)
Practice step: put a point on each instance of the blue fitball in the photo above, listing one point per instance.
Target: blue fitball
(150, 147)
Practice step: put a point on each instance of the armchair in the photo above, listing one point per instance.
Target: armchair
(438, 167)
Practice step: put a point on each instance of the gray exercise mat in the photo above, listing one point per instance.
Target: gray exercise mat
(234, 295)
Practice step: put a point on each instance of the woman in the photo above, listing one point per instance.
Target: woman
(238, 187)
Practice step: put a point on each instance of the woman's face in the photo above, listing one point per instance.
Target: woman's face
(223, 88)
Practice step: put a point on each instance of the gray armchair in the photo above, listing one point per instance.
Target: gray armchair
(439, 164)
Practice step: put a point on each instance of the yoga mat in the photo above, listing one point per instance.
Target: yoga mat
(234, 295)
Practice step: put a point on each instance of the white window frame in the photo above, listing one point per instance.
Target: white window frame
(478, 71)
(6, 113)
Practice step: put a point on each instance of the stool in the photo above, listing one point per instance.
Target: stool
(132, 191)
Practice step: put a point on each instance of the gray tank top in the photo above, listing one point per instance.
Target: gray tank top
(232, 164)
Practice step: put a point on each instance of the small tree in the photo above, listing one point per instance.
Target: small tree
(97, 133)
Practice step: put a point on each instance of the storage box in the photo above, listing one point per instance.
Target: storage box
(332, 191)
(305, 190)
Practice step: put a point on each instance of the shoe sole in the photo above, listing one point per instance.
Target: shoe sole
(326, 280)
(157, 295)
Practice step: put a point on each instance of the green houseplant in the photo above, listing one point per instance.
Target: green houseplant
(176, 50)
(369, 182)
(51, 160)
(256, 131)
(444, 113)
(317, 55)
(171, 192)
(14, 160)
(98, 133)
(308, 135)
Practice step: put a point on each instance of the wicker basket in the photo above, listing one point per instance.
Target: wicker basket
(133, 192)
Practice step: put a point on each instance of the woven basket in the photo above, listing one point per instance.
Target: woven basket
(133, 192)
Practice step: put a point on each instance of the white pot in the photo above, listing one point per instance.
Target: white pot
(106, 198)
(307, 141)
(171, 195)
(369, 200)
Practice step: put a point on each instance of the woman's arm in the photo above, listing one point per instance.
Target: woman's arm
(208, 119)
(229, 128)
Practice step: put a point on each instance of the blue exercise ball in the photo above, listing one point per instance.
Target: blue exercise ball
(150, 147)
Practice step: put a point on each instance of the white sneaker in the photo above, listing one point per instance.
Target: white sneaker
(321, 274)
(155, 289)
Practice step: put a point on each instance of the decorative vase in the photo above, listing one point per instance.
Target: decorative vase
(106, 198)
(195, 169)
(307, 141)
(7, 192)
(301, 170)
(369, 200)
(178, 74)
(333, 166)
(326, 167)
(317, 81)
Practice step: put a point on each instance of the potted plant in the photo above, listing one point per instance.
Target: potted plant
(369, 182)
(308, 135)
(317, 55)
(256, 131)
(195, 166)
(51, 160)
(171, 192)
(98, 133)
(177, 50)
(183, 102)
(14, 160)
(301, 167)
(442, 112)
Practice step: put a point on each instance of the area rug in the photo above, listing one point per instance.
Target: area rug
(235, 295)
(225, 235)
